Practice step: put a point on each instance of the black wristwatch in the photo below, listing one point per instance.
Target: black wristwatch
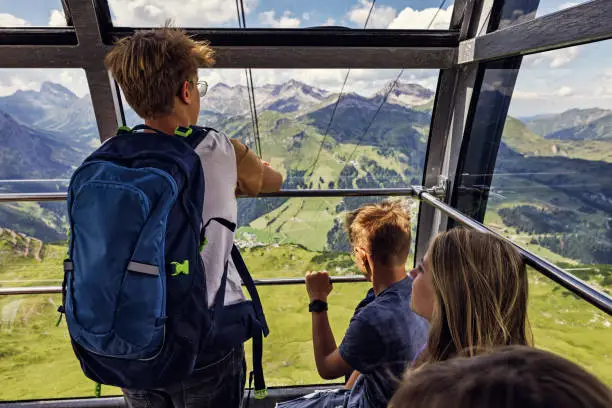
(317, 306)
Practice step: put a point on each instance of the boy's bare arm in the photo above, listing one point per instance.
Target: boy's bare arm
(254, 175)
(330, 363)
(351, 381)
(272, 179)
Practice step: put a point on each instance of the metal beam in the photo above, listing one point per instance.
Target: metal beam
(300, 37)
(104, 100)
(48, 290)
(49, 36)
(598, 299)
(446, 128)
(587, 22)
(335, 57)
(488, 107)
(275, 395)
(13, 56)
(22, 56)
(85, 22)
(41, 197)
(366, 192)
(439, 135)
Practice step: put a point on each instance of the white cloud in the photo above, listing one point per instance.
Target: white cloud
(306, 16)
(420, 19)
(380, 18)
(186, 13)
(552, 59)
(569, 4)
(329, 22)
(268, 18)
(9, 20)
(604, 85)
(563, 56)
(57, 19)
(12, 80)
(527, 95)
(564, 91)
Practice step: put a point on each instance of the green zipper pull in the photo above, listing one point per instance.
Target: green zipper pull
(61, 313)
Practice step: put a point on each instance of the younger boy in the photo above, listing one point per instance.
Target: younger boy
(385, 335)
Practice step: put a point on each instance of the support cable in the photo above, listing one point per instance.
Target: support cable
(331, 119)
(385, 98)
(249, 83)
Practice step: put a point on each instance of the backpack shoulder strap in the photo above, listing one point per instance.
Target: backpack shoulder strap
(257, 373)
(194, 135)
(250, 285)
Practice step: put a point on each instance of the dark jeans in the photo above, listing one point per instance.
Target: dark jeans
(319, 399)
(220, 384)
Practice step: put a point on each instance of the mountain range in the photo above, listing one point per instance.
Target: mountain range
(45, 134)
(574, 124)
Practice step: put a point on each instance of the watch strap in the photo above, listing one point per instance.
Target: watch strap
(317, 306)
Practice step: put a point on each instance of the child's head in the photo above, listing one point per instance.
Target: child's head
(158, 72)
(472, 287)
(380, 235)
(512, 377)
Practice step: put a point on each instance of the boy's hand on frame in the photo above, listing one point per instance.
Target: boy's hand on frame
(318, 285)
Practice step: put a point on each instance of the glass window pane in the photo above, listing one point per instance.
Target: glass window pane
(552, 188)
(288, 357)
(553, 6)
(33, 350)
(570, 327)
(36, 357)
(519, 11)
(393, 14)
(371, 142)
(47, 128)
(32, 13)
(287, 237)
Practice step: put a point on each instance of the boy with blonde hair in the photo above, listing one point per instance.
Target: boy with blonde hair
(384, 335)
(153, 295)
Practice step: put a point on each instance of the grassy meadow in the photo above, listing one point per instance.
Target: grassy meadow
(36, 360)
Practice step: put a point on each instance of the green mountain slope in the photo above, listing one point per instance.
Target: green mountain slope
(600, 129)
(524, 139)
(521, 139)
(548, 124)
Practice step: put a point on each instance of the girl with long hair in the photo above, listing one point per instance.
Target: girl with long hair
(472, 288)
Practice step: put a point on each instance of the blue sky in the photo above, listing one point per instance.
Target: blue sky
(578, 77)
(310, 13)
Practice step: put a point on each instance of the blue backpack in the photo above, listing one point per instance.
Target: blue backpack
(134, 290)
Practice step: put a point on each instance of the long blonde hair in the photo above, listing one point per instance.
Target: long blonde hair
(481, 289)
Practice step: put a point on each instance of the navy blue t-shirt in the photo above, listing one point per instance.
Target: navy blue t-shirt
(382, 339)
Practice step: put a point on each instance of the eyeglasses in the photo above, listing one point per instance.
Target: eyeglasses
(201, 85)
(202, 88)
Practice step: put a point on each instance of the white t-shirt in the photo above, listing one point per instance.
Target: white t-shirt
(220, 174)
